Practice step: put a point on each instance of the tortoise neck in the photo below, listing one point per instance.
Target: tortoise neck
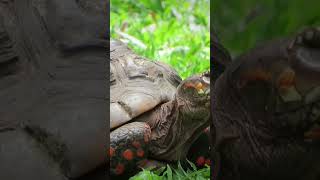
(171, 137)
(162, 120)
(165, 128)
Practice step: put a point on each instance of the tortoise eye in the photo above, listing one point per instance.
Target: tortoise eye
(253, 76)
(195, 88)
(193, 85)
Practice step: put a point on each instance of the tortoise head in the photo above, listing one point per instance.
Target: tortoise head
(195, 90)
(279, 86)
(189, 116)
(269, 99)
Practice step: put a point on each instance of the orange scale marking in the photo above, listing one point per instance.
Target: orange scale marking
(111, 152)
(120, 169)
(200, 161)
(128, 154)
(140, 153)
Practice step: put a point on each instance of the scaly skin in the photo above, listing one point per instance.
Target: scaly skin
(165, 133)
(265, 109)
(128, 146)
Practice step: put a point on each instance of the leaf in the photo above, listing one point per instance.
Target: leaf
(159, 171)
(192, 165)
(169, 172)
(132, 39)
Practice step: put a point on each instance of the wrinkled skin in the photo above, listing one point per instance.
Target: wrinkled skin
(165, 133)
(182, 120)
(266, 108)
(52, 89)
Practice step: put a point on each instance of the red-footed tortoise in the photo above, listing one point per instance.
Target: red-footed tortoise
(154, 114)
(266, 112)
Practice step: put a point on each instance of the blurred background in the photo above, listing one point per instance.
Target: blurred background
(240, 25)
(173, 31)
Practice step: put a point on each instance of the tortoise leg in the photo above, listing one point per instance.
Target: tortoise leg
(128, 147)
(199, 152)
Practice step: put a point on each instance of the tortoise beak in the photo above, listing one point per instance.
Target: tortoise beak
(203, 88)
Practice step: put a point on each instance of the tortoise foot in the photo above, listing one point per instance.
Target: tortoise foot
(128, 147)
(199, 152)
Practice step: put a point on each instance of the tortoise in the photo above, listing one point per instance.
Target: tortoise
(52, 89)
(154, 115)
(266, 112)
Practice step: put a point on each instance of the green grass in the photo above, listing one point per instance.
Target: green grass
(178, 173)
(243, 24)
(173, 31)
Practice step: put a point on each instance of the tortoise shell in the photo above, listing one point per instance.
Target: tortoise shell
(53, 108)
(137, 84)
